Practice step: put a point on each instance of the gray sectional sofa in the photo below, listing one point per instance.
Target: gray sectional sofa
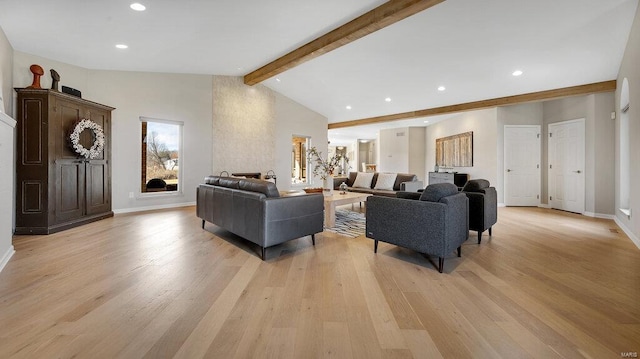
(253, 209)
(437, 223)
(403, 182)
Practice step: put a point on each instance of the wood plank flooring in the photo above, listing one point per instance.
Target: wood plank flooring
(547, 284)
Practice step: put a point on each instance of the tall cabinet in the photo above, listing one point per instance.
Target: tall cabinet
(56, 188)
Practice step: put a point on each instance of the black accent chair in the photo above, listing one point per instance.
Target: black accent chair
(483, 205)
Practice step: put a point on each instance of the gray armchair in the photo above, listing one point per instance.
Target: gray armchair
(436, 224)
(483, 205)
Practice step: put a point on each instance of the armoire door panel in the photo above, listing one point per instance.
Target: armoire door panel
(32, 134)
(98, 187)
(70, 185)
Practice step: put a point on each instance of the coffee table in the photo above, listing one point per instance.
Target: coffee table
(337, 199)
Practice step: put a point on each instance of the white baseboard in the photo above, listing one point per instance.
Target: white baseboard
(5, 258)
(153, 208)
(599, 215)
(501, 205)
(544, 205)
(628, 232)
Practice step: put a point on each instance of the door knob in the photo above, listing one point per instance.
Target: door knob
(508, 170)
(578, 171)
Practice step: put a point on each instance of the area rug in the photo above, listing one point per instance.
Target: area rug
(348, 223)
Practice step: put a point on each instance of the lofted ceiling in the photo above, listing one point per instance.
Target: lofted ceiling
(471, 47)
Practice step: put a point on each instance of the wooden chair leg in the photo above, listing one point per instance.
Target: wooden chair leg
(479, 236)
(440, 264)
(375, 246)
(490, 231)
(460, 251)
(313, 239)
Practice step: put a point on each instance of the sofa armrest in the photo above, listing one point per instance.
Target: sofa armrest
(408, 195)
(411, 186)
(292, 217)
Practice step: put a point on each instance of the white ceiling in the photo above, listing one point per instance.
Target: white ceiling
(469, 46)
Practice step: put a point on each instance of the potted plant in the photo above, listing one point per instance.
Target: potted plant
(325, 168)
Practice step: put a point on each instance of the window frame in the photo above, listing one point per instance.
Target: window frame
(181, 161)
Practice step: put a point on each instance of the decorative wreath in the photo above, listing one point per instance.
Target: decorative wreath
(98, 138)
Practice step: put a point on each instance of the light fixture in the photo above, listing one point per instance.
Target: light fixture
(277, 79)
(137, 7)
(426, 121)
(348, 107)
(441, 88)
(517, 73)
(388, 99)
(122, 46)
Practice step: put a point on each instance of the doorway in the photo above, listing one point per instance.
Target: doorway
(566, 150)
(522, 165)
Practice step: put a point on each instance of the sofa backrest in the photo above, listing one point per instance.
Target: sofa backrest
(401, 177)
(267, 188)
(437, 191)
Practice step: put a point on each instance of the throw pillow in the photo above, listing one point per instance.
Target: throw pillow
(363, 180)
(435, 192)
(386, 181)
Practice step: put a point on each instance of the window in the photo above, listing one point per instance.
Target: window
(160, 155)
(299, 146)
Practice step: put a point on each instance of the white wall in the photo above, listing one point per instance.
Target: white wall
(295, 119)
(483, 123)
(7, 145)
(629, 69)
(176, 97)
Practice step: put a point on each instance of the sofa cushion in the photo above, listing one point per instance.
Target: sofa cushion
(351, 179)
(476, 185)
(229, 182)
(435, 192)
(213, 180)
(257, 185)
(363, 180)
(386, 181)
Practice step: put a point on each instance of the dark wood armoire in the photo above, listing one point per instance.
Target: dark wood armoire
(56, 188)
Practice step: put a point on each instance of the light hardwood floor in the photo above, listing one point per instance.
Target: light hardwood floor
(548, 284)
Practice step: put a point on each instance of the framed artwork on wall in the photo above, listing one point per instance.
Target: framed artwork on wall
(455, 151)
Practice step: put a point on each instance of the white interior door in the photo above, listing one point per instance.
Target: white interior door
(522, 165)
(566, 166)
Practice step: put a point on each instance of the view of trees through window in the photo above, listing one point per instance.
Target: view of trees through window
(160, 156)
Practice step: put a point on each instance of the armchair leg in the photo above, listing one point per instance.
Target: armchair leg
(203, 224)
(479, 236)
(490, 231)
(375, 246)
(313, 239)
(460, 251)
(264, 250)
(440, 264)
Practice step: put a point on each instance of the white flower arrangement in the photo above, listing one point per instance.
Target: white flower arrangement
(98, 143)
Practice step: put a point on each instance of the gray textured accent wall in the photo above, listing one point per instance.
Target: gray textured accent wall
(244, 124)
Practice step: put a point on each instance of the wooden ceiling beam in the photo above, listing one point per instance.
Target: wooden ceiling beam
(606, 86)
(374, 20)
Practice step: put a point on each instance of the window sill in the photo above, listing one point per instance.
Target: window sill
(160, 194)
(626, 212)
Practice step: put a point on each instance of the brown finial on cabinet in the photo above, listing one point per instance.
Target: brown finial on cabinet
(55, 79)
(37, 72)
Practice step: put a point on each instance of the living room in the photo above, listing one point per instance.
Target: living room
(229, 126)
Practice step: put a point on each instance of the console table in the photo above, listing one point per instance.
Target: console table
(459, 179)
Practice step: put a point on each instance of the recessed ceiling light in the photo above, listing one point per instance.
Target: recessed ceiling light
(348, 107)
(388, 99)
(426, 121)
(441, 88)
(277, 79)
(138, 7)
(122, 46)
(517, 73)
